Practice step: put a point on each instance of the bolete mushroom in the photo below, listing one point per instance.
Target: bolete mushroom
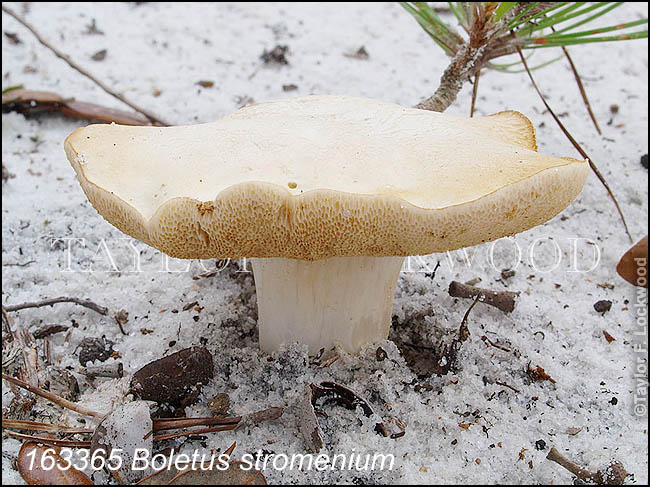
(327, 195)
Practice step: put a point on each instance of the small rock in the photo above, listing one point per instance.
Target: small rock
(644, 160)
(603, 306)
(540, 445)
(95, 349)
(219, 404)
(277, 55)
(507, 273)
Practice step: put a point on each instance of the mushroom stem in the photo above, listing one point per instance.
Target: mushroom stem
(342, 300)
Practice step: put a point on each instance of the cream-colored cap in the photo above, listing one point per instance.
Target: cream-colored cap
(322, 176)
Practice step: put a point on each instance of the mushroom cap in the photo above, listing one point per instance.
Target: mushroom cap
(323, 176)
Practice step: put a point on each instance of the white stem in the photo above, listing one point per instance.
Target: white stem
(343, 300)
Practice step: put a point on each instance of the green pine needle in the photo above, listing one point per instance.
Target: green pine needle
(535, 25)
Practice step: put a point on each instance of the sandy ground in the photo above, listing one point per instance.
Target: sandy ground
(165, 50)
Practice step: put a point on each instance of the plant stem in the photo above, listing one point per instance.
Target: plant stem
(462, 66)
(581, 473)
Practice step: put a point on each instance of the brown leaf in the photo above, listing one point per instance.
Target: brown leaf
(99, 55)
(34, 461)
(90, 111)
(30, 102)
(205, 83)
(608, 337)
(13, 38)
(633, 266)
(539, 374)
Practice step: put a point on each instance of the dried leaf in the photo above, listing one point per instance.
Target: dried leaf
(205, 83)
(361, 54)
(99, 55)
(34, 466)
(633, 266)
(608, 337)
(309, 427)
(30, 102)
(13, 38)
(341, 395)
(539, 374)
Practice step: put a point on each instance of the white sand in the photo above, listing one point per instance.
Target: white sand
(171, 47)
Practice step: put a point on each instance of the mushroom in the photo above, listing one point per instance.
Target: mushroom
(327, 195)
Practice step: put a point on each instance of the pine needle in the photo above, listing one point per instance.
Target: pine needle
(577, 146)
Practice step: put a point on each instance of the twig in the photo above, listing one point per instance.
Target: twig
(25, 343)
(52, 397)
(495, 345)
(162, 424)
(503, 300)
(18, 264)
(212, 429)
(613, 474)
(575, 144)
(113, 370)
(463, 330)
(506, 385)
(47, 330)
(36, 426)
(214, 424)
(81, 70)
(452, 80)
(61, 299)
(474, 93)
(50, 441)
